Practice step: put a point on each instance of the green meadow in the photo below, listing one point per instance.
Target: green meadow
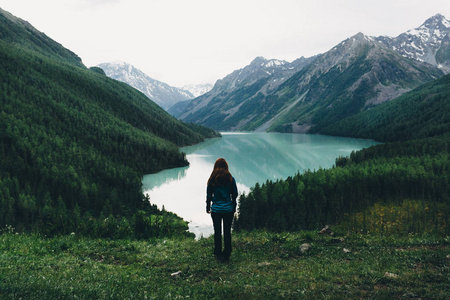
(263, 265)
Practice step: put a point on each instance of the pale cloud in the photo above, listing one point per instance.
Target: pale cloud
(197, 41)
(94, 3)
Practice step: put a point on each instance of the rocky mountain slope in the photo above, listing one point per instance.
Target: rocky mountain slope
(260, 76)
(355, 75)
(161, 93)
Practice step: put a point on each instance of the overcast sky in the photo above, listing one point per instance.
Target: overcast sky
(199, 41)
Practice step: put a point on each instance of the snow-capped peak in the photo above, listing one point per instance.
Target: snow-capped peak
(160, 92)
(274, 63)
(435, 27)
(267, 63)
(424, 42)
(197, 89)
(118, 63)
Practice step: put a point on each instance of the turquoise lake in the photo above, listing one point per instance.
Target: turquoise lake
(252, 158)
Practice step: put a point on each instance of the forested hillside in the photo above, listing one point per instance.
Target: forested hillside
(421, 113)
(74, 144)
(16, 31)
(401, 186)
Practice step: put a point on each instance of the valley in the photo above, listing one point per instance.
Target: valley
(75, 144)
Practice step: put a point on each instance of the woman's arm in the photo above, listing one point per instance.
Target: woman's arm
(234, 194)
(209, 196)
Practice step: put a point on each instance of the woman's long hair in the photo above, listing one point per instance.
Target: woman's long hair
(220, 174)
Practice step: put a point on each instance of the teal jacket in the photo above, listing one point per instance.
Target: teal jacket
(223, 198)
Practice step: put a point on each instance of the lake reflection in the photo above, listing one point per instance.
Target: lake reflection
(252, 158)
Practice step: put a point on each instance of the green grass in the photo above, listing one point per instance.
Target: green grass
(263, 265)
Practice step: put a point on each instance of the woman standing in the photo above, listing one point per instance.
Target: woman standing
(222, 192)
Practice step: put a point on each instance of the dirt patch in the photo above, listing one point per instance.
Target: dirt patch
(300, 128)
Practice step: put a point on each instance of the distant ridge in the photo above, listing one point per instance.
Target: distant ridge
(161, 93)
(197, 89)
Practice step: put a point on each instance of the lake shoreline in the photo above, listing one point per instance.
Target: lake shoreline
(252, 157)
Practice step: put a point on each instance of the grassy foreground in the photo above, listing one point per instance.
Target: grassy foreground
(263, 266)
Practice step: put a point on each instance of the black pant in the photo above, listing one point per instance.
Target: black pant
(217, 222)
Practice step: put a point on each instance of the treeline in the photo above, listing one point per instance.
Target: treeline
(74, 145)
(316, 198)
(410, 171)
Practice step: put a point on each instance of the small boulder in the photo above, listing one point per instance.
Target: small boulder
(390, 275)
(305, 247)
(326, 230)
(176, 274)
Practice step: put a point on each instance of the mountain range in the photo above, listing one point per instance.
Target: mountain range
(312, 93)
